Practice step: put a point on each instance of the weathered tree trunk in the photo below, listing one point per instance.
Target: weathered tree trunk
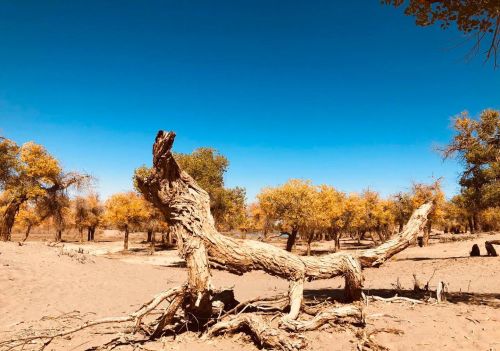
(187, 208)
(292, 237)
(9, 216)
(125, 239)
(150, 235)
(80, 231)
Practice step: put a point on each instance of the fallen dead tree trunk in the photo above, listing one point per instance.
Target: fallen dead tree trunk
(186, 207)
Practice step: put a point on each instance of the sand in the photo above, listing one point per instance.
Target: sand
(37, 280)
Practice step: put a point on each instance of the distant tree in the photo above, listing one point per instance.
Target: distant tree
(290, 205)
(490, 218)
(477, 146)
(332, 206)
(402, 208)
(87, 213)
(29, 216)
(456, 215)
(478, 18)
(125, 211)
(27, 172)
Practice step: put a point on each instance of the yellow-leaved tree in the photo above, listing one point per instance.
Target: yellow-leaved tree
(125, 211)
(290, 206)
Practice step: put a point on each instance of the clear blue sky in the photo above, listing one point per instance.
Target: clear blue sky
(347, 93)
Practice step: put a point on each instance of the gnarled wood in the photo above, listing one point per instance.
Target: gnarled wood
(186, 206)
(266, 336)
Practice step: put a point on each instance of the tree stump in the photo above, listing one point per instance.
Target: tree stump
(475, 251)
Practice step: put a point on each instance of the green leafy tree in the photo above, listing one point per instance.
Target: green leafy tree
(477, 146)
(207, 167)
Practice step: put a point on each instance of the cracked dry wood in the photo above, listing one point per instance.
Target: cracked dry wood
(187, 208)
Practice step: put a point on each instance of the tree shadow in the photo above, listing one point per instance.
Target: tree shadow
(438, 258)
(478, 299)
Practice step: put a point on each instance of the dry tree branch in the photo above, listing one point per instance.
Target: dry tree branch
(133, 317)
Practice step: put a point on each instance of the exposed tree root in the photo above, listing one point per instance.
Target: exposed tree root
(259, 329)
(327, 315)
(367, 342)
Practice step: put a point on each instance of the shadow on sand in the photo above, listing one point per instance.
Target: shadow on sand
(486, 299)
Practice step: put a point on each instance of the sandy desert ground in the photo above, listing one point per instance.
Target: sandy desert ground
(38, 281)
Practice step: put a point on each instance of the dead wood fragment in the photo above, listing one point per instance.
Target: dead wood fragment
(394, 299)
(474, 252)
(441, 291)
(490, 249)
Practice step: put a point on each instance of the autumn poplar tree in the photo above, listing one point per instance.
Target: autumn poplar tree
(125, 211)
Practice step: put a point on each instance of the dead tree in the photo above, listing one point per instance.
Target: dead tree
(474, 252)
(187, 208)
(490, 249)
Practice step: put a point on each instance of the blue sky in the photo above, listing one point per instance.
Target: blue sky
(351, 94)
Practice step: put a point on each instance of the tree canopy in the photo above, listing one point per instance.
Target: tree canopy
(478, 18)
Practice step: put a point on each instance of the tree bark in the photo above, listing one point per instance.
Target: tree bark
(187, 207)
(337, 241)
(125, 239)
(290, 241)
(153, 243)
(150, 234)
(9, 216)
(427, 233)
(28, 230)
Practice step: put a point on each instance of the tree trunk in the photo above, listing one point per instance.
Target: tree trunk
(58, 235)
(125, 239)
(153, 243)
(476, 222)
(28, 230)
(9, 216)
(427, 233)
(150, 234)
(337, 241)
(92, 233)
(89, 234)
(187, 207)
(80, 231)
(309, 241)
(292, 237)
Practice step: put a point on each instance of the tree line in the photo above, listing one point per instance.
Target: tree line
(35, 190)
